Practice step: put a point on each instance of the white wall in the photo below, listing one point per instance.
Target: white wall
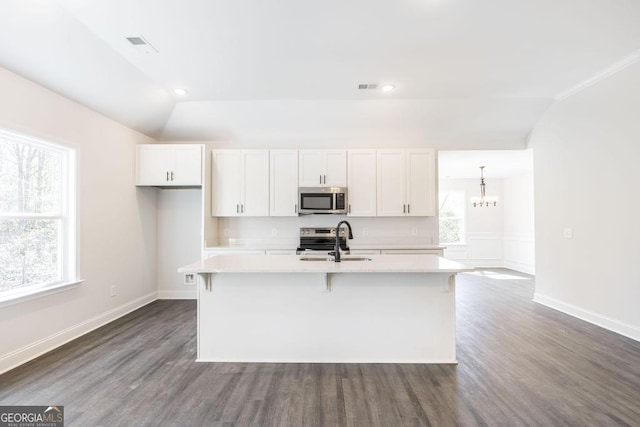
(519, 225)
(117, 223)
(586, 151)
(179, 233)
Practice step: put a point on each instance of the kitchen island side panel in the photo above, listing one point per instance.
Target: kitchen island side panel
(358, 318)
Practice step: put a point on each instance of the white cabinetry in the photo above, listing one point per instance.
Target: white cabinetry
(412, 251)
(361, 182)
(406, 182)
(283, 182)
(322, 168)
(169, 165)
(364, 252)
(208, 253)
(240, 183)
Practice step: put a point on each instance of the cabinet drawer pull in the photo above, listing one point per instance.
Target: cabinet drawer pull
(404, 208)
(409, 208)
(325, 178)
(349, 208)
(167, 175)
(242, 208)
(295, 208)
(171, 176)
(320, 179)
(237, 208)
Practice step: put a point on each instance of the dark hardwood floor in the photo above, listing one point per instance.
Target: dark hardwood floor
(519, 364)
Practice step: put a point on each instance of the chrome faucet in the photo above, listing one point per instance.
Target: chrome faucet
(337, 248)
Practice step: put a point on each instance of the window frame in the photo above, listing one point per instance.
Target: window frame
(68, 233)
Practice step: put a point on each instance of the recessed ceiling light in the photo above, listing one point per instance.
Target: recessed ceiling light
(180, 91)
(387, 87)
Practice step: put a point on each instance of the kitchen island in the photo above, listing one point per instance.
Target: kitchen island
(286, 308)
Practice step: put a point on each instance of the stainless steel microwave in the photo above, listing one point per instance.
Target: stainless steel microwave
(322, 200)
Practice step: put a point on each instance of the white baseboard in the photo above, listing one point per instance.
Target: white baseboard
(614, 325)
(181, 294)
(40, 347)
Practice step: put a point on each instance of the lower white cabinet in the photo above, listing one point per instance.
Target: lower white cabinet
(411, 251)
(208, 253)
(280, 251)
(364, 252)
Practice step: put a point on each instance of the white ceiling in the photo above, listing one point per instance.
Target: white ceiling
(505, 60)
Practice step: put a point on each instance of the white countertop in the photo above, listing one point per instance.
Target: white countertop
(293, 264)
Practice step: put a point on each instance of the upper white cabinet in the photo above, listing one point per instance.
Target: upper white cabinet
(361, 182)
(240, 183)
(283, 182)
(169, 165)
(322, 168)
(406, 182)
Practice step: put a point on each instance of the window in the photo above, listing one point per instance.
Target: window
(452, 217)
(37, 215)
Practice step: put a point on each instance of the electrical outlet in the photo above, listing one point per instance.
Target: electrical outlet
(114, 291)
(189, 279)
(274, 232)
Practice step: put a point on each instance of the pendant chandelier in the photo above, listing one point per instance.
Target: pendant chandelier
(483, 200)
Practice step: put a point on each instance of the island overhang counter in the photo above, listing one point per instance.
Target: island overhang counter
(279, 308)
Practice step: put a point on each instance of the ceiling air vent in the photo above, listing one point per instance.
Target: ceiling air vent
(367, 86)
(141, 45)
(136, 40)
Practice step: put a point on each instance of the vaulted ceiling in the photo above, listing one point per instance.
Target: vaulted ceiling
(462, 68)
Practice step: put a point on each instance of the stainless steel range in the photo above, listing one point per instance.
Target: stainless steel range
(321, 240)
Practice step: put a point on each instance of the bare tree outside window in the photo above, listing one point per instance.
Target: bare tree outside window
(452, 211)
(31, 213)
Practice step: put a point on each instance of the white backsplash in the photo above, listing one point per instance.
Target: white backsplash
(285, 230)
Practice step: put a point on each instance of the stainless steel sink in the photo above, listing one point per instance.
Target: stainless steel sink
(331, 259)
(309, 258)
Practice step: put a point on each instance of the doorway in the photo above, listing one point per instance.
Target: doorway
(491, 230)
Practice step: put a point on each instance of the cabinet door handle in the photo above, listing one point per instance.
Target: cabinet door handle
(171, 176)
(295, 208)
(241, 208)
(349, 208)
(404, 208)
(167, 175)
(237, 208)
(409, 208)
(325, 179)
